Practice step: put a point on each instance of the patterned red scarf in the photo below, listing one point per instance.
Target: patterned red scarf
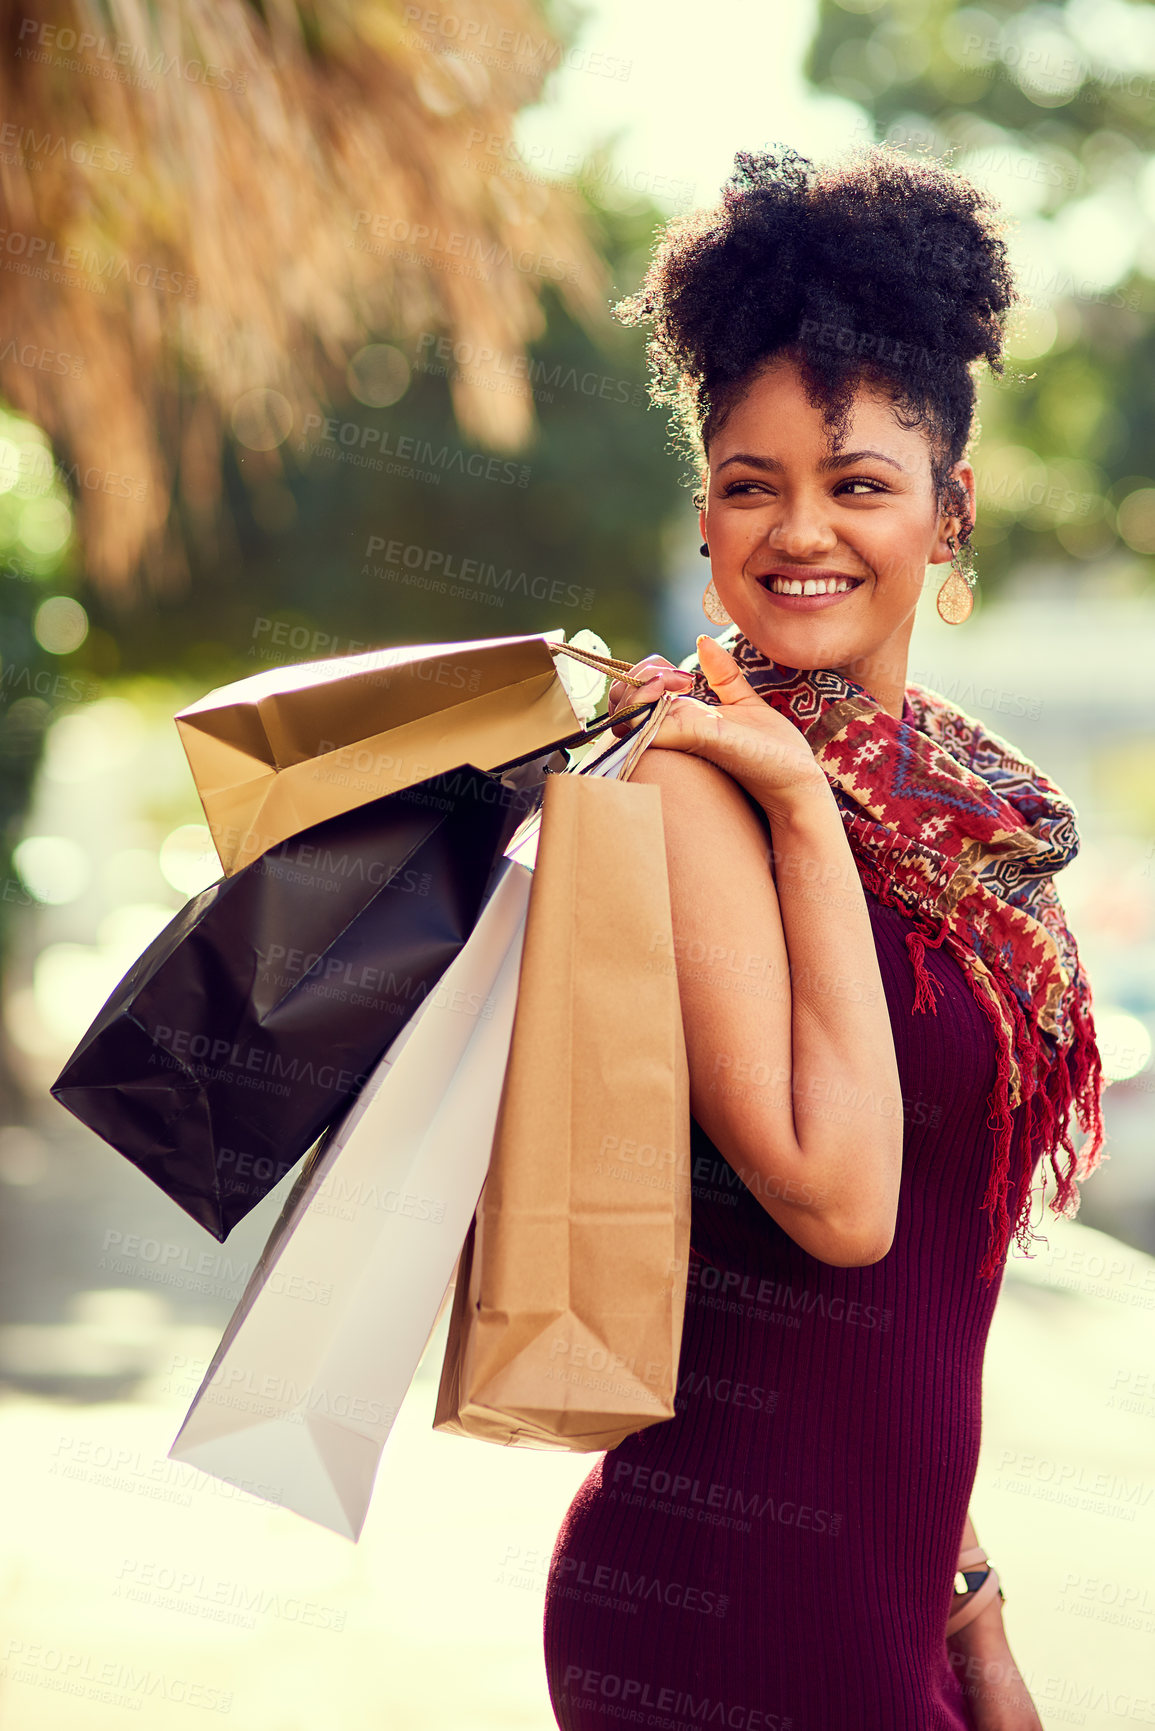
(962, 834)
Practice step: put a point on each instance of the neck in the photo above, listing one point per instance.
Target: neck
(881, 677)
(882, 673)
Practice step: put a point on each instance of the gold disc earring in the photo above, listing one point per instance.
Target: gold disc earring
(956, 596)
(712, 606)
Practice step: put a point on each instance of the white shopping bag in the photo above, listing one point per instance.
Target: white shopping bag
(301, 1394)
(597, 758)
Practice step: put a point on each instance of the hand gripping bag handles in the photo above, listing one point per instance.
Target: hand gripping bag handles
(566, 1323)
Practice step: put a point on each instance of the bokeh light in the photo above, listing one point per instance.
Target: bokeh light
(1135, 519)
(61, 625)
(1124, 1044)
(102, 736)
(378, 375)
(189, 860)
(45, 525)
(54, 868)
(71, 981)
(35, 509)
(9, 465)
(1033, 333)
(262, 419)
(1097, 237)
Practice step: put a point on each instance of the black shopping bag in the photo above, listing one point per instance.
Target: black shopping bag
(260, 1010)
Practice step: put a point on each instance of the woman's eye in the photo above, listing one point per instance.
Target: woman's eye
(736, 489)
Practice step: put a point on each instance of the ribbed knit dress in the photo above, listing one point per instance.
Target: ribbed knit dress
(780, 1556)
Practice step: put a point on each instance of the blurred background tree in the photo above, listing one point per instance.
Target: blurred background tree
(227, 231)
(1049, 108)
(207, 235)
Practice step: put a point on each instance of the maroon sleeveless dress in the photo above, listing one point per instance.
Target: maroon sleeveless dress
(780, 1556)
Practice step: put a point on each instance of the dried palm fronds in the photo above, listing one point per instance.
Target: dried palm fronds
(203, 199)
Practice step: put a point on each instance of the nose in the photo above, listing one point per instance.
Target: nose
(799, 528)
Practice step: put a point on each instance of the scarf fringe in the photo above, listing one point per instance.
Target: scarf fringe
(917, 944)
(1081, 1071)
(1000, 1118)
(1052, 1083)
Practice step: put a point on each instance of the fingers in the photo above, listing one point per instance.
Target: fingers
(634, 694)
(692, 726)
(663, 677)
(660, 670)
(725, 676)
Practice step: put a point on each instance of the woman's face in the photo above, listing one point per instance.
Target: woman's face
(783, 512)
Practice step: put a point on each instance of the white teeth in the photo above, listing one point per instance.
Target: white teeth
(811, 586)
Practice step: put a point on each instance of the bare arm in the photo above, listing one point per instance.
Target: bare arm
(792, 1067)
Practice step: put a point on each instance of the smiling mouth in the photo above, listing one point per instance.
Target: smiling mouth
(810, 585)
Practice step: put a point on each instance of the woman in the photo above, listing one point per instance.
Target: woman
(893, 1027)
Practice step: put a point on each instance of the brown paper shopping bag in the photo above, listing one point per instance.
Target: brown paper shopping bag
(566, 1322)
(277, 752)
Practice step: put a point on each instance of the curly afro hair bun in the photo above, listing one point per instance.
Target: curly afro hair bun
(889, 269)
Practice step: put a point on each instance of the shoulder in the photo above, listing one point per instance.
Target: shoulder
(716, 835)
(691, 785)
(672, 767)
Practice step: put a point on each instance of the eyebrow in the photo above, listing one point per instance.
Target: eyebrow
(839, 460)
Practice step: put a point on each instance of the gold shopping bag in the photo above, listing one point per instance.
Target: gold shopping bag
(277, 752)
(566, 1322)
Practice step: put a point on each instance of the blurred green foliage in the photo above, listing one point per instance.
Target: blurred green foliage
(1049, 109)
